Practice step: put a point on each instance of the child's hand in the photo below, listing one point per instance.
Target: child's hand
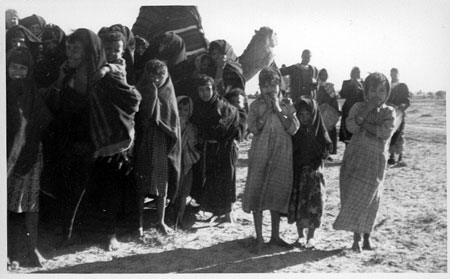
(276, 104)
(101, 73)
(372, 103)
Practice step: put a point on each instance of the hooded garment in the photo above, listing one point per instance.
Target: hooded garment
(31, 41)
(158, 111)
(27, 117)
(311, 142)
(33, 20)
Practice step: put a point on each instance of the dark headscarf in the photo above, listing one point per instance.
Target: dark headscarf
(217, 119)
(168, 47)
(27, 116)
(160, 105)
(232, 73)
(33, 20)
(31, 41)
(311, 142)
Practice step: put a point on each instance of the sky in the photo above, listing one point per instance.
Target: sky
(411, 35)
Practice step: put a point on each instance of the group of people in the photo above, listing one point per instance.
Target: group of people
(101, 121)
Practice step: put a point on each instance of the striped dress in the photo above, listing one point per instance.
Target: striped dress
(363, 170)
(270, 174)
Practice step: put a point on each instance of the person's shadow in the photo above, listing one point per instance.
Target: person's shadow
(228, 257)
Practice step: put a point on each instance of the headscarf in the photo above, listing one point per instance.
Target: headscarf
(217, 119)
(311, 142)
(160, 105)
(27, 116)
(168, 47)
(31, 41)
(232, 73)
(33, 20)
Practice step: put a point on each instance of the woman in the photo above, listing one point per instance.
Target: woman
(228, 72)
(327, 95)
(352, 92)
(19, 35)
(364, 163)
(27, 117)
(218, 124)
(54, 54)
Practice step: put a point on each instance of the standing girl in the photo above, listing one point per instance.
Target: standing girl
(270, 176)
(363, 167)
(27, 117)
(310, 146)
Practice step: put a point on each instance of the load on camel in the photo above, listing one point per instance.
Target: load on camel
(185, 21)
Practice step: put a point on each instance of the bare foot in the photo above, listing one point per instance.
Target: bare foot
(356, 247)
(164, 229)
(35, 258)
(113, 243)
(310, 244)
(367, 246)
(279, 242)
(141, 232)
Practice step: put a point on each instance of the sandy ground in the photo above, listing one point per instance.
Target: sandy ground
(410, 234)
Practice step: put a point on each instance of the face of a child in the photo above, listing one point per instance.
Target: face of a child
(159, 80)
(183, 111)
(379, 92)
(75, 54)
(323, 76)
(113, 50)
(205, 92)
(305, 117)
(270, 91)
(17, 71)
(140, 49)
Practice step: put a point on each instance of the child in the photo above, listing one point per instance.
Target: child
(310, 146)
(158, 141)
(189, 154)
(270, 175)
(364, 163)
(27, 117)
(113, 43)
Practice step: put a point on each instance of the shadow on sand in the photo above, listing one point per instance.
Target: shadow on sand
(214, 259)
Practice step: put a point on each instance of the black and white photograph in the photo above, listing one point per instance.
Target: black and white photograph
(197, 138)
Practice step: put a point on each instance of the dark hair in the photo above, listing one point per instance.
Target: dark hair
(184, 101)
(202, 80)
(269, 76)
(156, 67)
(375, 79)
(235, 92)
(394, 70)
(113, 36)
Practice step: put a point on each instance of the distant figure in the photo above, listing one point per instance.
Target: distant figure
(364, 163)
(139, 59)
(400, 99)
(327, 95)
(269, 182)
(11, 18)
(352, 92)
(303, 77)
(310, 146)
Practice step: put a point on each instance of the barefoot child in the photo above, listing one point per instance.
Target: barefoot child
(189, 154)
(270, 175)
(27, 117)
(364, 163)
(158, 141)
(310, 145)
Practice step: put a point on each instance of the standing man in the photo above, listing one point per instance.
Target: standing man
(303, 77)
(400, 99)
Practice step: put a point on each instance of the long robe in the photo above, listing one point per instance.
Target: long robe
(158, 140)
(352, 92)
(218, 124)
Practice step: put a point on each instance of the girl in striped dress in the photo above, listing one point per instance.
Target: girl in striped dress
(363, 167)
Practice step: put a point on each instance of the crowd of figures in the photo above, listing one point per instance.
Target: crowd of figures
(99, 122)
